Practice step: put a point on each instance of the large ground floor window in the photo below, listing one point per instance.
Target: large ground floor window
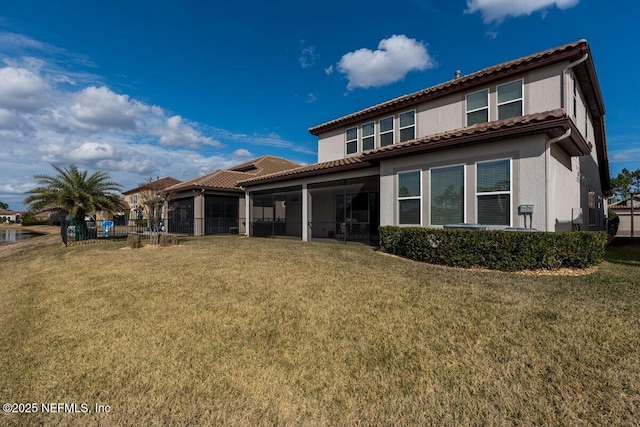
(447, 195)
(493, 192)
(409, 198)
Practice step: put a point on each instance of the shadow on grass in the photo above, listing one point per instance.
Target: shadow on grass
(624, 251)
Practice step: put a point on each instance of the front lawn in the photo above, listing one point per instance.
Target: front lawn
(237, 331)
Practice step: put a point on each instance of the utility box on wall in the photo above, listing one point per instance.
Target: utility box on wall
(525, 209)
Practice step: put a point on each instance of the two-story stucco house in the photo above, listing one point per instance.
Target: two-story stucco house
(518, 145)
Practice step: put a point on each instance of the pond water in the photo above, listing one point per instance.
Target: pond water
(11, 236)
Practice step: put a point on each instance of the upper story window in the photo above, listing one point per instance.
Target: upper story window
(510, 100)
(407, 125)
(368, 136)
(586, 123)
(478, 107)
(351, 136)
(134, 200)
(386, 131)
(575, 98)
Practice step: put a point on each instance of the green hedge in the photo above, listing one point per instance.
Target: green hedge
(496, 249)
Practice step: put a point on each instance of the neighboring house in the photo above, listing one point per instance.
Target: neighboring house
(121, 215)
(146, 197)
(7, 215)
(622, 208)
(212, 203)
(520, 144)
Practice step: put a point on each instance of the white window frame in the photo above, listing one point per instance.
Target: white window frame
(494, 193)
(414, 125)
(521, 99)
(373, 135)
(575, 97)
(467, 111)
(464, 191)
(586, 123)
(347, 141)
(392, 131)
(398, 198)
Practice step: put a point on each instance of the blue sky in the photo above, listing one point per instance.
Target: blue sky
(145, 89)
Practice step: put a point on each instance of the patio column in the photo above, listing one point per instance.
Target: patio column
(165, 216)
(248, 203)
(305, 213)
(198, 215)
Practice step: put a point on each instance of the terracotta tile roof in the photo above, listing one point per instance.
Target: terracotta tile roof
(350, 163)
(226, 179)
(159, 184)
(552, 122)
(566, 52)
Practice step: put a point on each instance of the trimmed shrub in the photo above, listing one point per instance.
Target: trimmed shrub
(495, 249)
(134, 241)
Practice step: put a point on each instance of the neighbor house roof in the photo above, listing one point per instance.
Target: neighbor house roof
(626, 203)
(226, 179)
(554, 123)
(585, 73)
(159, 184)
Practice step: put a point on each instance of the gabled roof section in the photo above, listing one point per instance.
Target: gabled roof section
(569, 52)
(159, 184)
(350, 163)
(226, 179)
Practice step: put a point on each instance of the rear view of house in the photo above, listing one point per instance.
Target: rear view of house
(518, 145)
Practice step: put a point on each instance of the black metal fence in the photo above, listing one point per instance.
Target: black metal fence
(121, 228)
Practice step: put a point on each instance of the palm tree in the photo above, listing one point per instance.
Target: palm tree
(71, 192)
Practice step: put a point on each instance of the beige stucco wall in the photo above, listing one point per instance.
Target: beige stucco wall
(624, 230)
(331, 145)
(528, 180)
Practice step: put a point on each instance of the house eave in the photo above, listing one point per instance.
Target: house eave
(306, 174)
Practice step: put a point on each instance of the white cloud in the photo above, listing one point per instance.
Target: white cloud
(241, 152)
(394, 58)
(329, 70)
(175, 133)
(93, 151)
(100, 108)
(311, 98)
(22, 90)
(498, 10)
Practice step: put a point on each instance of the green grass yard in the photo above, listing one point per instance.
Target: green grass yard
(237, 331)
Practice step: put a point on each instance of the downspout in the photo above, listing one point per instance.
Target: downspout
(564, 89)
(547, 162)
